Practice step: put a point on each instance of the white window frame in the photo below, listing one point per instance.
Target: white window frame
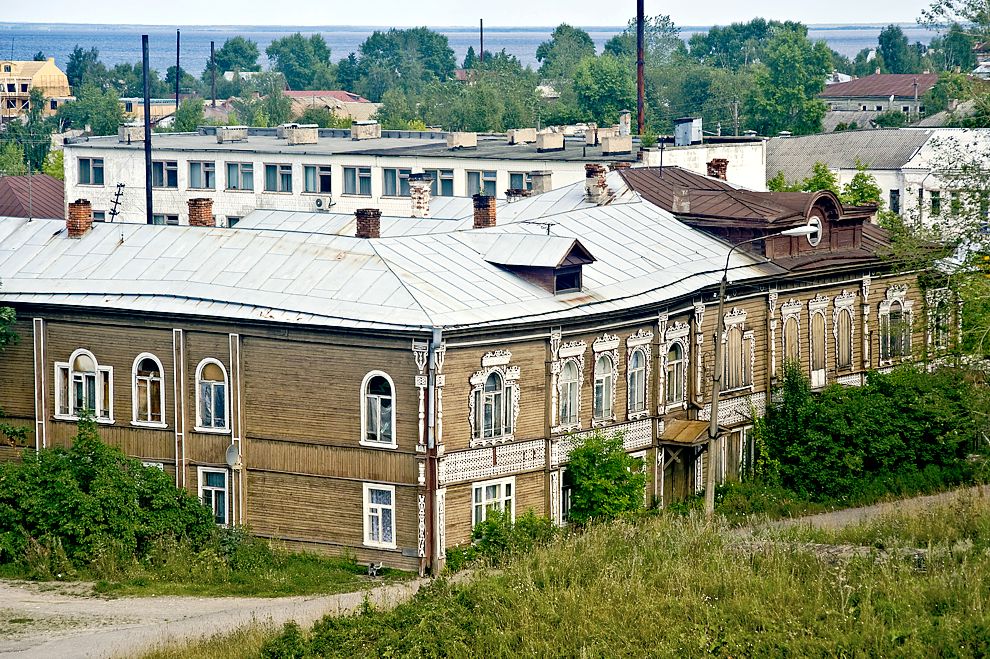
(479, 509)
(896, 295)
(91, 166)
(680, 395)
(630, 389)
(64, 376)
(569, 393)
(242, 169)
(608, 402)
(364, 441)
(207, 170)
(818, 375)
(367, 509)
(144, 423)
(202, 486)
(226, 399)
(494, 362)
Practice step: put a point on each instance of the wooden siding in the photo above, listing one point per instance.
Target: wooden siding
(319, 460)
(17, 374)
(459, 506)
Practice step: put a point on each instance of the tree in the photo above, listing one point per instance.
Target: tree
(862, 189)
(84, 66)
(270, 107)
(898, 55)
(187, 83)
(822, 178)
(322, 117)
(952, 50)
(407, 59)
(40, 56)
(950, 87)
(740, 44)
(236, 54)
(55, 164)
(661, 41)
(568, 46)
(348, 72)
(607, 482)
(975, 14)
(301, 60)
(34, 132)
(786, 86)
(604, 88)
(890, 119)
(99, 110)
(12, 159)
(470, 59)
(190, 116)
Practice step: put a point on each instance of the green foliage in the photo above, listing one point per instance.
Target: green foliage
(952, 50)
(890, 119)
(303, 62)
(560, 56)
(950, 86)
(647, 140)
(898, 56)
(323, 118)
(84, 66)
(12, 159)
(661, 41)
(822, 178)
(270, 107)
(740, 44)
(236, 54)
(902, 426)
(33, 134)
(409, 60)
(603, 88)
(862, 189)
(290, 643)
(498, 538)
(100, 110)
(778, 183)
(787, 83)
(607, 482)
(190, 116)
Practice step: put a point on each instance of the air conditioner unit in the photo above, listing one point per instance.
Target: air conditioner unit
(322, 204)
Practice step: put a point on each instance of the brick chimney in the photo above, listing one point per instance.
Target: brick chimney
(369, 223)
(201, 212)
(595, 188)
(619, 164)
(484, 211)
(718, 168)
(419, 192)
(541, 181)
(80, 219)
(682, 201)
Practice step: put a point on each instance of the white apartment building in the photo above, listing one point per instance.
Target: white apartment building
(258, 169)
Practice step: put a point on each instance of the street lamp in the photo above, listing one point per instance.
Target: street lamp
(719, 367)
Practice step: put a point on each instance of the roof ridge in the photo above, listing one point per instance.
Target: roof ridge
(402, 282)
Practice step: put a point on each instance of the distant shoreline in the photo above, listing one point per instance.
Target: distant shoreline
(364, 28)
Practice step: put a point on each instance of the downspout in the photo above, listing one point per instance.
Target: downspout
(432, 558)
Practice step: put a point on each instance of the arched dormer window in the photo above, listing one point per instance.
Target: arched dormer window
(604, 385)
(569, 392)
(378, 410)
(82, 384)
(211, 397)
(147, 391)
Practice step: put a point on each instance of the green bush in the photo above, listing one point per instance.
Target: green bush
(607, 481)
(91, 503)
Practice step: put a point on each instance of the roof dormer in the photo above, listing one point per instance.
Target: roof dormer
(554, 263)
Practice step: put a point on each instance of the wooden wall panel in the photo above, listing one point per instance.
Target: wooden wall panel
(17, 374)
(200, 346)
(140, 443)
(206, 449)
(459, 507)
(319, 460)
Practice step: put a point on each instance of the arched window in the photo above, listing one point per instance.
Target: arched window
(211, 396)
(895, 338)
(568, 394)
(792, 341)
(817, 342)
(843, 339)
(735, 362)
(675, 374)
(82, 384)
(637, 381)
(603, 388)
(148, 392)
(493, 418)
(378, 402)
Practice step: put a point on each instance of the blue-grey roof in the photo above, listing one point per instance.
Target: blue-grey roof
(888, 148)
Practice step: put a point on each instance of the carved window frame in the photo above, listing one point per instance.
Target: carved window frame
(641, 341)
(678, 333)
(136, 394)
(939, 330)
(607, 345)
(563, 353)
(736, 319)
(818, 306)
(845, 302)
(790, 311)
(65, 377)
(895, 294)
(494, 362)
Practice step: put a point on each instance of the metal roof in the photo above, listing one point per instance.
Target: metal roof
(888, 148)
(408, 282)
(526, 250)
(883, 85)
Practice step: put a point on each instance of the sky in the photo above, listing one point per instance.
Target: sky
(445, 13)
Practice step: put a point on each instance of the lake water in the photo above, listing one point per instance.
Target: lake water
(122, 43)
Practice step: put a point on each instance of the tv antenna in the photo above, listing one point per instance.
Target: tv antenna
(545, 225)
(116, 201)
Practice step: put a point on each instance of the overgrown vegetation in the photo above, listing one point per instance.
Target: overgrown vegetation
(89, 512)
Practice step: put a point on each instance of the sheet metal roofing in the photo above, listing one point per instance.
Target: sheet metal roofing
(883, 85)
(403, 283)
(889, 148)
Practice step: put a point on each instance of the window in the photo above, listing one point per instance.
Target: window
(211, 396)
(202, 175)
(843, 339)
(921, 199)
(232, 220)
(878, 108)
(164, 174)
(493, 495)
(6, 68)
(91, 171)
(567, 280)
(935, 198)
(213, 492)
(940, 319)
(172, 220)
(895, 333)
(905, 109)
(82, 384)
(603, 388)
(481, 182)
(494, 418)
(148, 392)
(379, 516)
(24, 87)
(895, 201)
(378, 420)
(396, 182)
(53, 104)
(675, 374)
(792, 341)
(637, 381)
(317, 178)
(240, 176)
(520, 181)
(357, 181)
(569, 392)
(443, 182)
(128, 106)
(817, 349)
(99, 216)
(278, 178)
(735, 361)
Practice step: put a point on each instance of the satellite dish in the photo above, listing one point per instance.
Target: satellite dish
(233, 455)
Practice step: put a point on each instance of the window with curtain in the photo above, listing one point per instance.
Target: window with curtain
(603, 388)
(379, 411)
(212, 392)
(637, 381)
(735, 360)
(149, 393)
(82, 384)
(895, 338)
(675, 374)
(379, 515)
(569, 392)
(213, 492)
(492, 412)
(843, 334)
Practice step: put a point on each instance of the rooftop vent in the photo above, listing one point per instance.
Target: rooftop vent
(625, 123)
(462, 140)
(541, 181)
(303, 134)
(687, 131)
(369, 223)
(553, 263)
(522, 136)
(420, 188)
(366, 130)
(484, 211)
(80, 218)
(282, 130)
(616, 145)
(546, 142)
(231, 134)
(130, 132)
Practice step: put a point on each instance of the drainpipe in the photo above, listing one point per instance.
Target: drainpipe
(432, 481)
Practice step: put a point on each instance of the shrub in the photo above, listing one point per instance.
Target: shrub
(498, 536)
(607, 481)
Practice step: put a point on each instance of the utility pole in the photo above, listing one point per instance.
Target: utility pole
(177, 76)
(481, 23)
(213, 73)
(640, 109)
(735, 115)
(149, 213)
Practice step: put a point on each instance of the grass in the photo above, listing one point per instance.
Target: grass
(246, 641)
(671, 586)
